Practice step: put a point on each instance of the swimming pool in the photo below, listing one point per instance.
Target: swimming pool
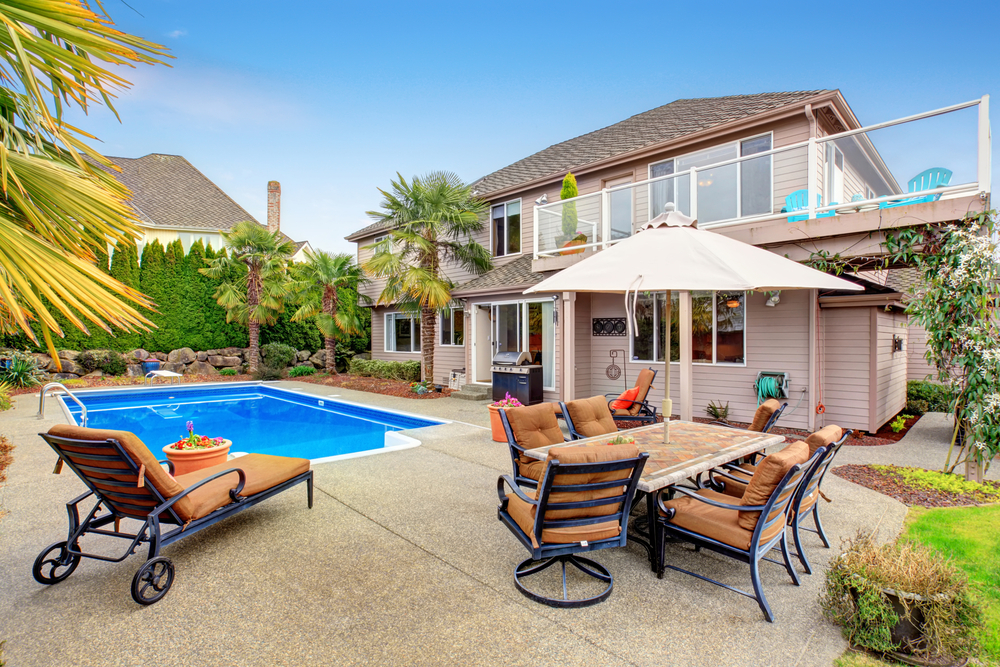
(258, 418)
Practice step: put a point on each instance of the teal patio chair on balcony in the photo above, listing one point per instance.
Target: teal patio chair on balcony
(799, 201)
(935, 177)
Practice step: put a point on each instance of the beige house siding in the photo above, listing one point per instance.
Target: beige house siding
(917, 367)
(378, 339)
(448, 357)
(846, 369)
(584, 358)
(890, 386)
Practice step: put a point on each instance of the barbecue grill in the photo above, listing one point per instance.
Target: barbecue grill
(513, 374)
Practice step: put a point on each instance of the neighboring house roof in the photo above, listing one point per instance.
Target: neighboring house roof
(299, 245)
(658, 125)
(516, 275)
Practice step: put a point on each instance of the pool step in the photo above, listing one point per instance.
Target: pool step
(474, 392)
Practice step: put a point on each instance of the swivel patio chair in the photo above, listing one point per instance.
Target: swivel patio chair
(929, 179)
(530, 427)
(588, 417)
(127, 482)
(745, 530)
(635, 407)
(582, 504)
(827, 442)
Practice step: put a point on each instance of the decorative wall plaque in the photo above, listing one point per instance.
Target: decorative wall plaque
(609, 326)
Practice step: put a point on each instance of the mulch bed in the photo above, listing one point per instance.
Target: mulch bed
(892, 485)
(6, 457)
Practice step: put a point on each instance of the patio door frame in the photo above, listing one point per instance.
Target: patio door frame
(492, 339)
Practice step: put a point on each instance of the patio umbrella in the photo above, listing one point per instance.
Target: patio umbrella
(670, 253)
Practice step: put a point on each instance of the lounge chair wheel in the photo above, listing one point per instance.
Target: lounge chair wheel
(153, 580)
(51, 568)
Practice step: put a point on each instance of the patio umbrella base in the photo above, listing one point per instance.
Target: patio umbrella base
(585, 565)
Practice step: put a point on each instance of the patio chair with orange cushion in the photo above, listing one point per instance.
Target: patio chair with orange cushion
(588, 417)
(827, 441)
(127, 482)
(745, 529)
(632, 404)
(530, 427)
(582, 504)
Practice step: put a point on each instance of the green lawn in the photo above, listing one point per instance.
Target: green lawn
(971, 537)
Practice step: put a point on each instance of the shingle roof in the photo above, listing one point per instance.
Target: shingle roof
(517, 273)
(367, 231)
(168, 191)
(669, 121)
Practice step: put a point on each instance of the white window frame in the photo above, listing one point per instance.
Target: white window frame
(387, 329)
(739, 176)
(506, 228)
(522, 323)
(464, 335)
(830, 173)
(715, 336)
(379, 239)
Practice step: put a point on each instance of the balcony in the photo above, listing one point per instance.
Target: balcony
(746, 186)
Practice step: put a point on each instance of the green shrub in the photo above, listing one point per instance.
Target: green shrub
(278, 355)
(108, 362)
(227, 371)
(21, 371)
(301, 371)
(923, 396)
(5, 400)
(266, 372)
(408, 371)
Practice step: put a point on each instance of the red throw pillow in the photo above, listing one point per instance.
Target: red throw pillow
(624, 401)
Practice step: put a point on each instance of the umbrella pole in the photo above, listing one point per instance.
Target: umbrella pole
(668, 405)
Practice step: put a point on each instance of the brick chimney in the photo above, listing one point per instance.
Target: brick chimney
(273, 206)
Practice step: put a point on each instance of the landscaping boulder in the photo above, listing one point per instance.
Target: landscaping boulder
(319, 359)
(184, 355)
(302, 355)
(140, 354)
(172, 366)
(232, 352)
(202, 356)
(68, 354)
(44, 361)
(134, 371)
(94, 374)
(160, 356)
(224, 362)
(64, 376)
(200, 368)
(364, 355)
(70, 366)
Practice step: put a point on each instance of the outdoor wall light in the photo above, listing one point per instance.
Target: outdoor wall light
(773, 300)
(544, 199)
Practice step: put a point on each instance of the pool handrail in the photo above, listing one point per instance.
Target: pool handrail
(65, 390)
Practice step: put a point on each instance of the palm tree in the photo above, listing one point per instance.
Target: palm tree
(254, 278)
(326, 286)
(432, 220)
(59, 202)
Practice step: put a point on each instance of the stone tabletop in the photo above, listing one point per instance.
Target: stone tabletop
(694, 448)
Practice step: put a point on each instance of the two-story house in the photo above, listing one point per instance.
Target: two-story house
(795, 173)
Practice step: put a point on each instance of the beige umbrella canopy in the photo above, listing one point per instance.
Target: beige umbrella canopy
(671, 253)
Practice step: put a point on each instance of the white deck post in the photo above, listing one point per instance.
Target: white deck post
(569, 345)
(985, 145)
(535, 231)
(605, 217)
(687, 372)
(813, 362)
(812, 177)
(694, 204)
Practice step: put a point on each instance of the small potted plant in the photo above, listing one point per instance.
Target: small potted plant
(194, 452)
(622, 440)
(902, 599)
(496, 425)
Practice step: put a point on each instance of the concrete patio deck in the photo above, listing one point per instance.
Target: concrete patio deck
(400, 562)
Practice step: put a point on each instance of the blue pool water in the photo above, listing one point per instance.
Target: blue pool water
(257, 418)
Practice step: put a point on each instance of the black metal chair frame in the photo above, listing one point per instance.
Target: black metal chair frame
(812, 481)
(547, 554)
(781, 497)
(647, 412)
(772, 420)
(157, 574)
(516, 449)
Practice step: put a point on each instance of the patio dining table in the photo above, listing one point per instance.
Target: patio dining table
(693, 449)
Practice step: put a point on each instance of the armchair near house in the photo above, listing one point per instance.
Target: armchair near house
(582, 504)
(632, 404)
(744, 529)
(799, 201)
(530, 427)
(588, 417)
(765, 417)
(929, 179)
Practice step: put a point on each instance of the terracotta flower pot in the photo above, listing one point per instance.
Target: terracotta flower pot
(189, 460)
(496, 425)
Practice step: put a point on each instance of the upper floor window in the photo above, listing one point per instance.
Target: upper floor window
(379, 239)
(718, 332)
(402, 333)
(726, 192)
(505, 228)
(453, 326)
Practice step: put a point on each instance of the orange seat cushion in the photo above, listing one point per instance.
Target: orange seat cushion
(717, 523)
(824, 437)
(770, 471)
(263, 472)
(763, 413)
(591, 416)
(625, 400)
(532, 470)
(534, 426)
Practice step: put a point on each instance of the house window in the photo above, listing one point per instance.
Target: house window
(730, 191)
(379, 239)
(834, 175)
(453, 326)
(402, 333)
(718, 330)
(869, 193)
(505, 228)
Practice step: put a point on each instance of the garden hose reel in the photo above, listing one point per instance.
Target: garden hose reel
(770, 384)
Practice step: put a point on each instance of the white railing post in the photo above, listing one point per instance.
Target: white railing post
(605, 217)
(537, 224)
(812, 180)
(985, 145)
(693, 194)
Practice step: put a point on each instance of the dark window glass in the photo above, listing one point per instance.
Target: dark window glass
(755, 177)
(513, 228)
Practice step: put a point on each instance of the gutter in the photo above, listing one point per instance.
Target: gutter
(504, 289)
(890, 300)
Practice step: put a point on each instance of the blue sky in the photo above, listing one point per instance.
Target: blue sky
(331, 99)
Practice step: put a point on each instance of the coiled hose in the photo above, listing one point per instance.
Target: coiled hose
(767, 386)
